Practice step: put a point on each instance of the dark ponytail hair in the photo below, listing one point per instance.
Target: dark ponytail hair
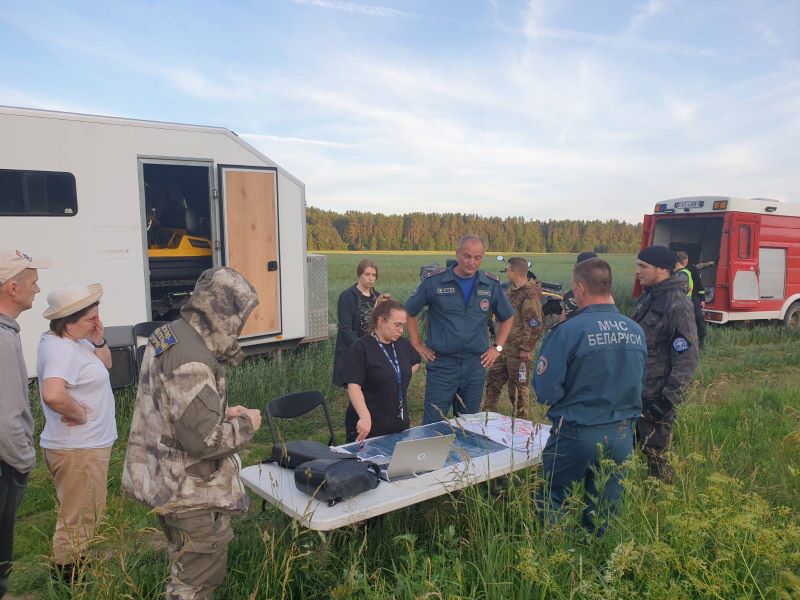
(384, 306)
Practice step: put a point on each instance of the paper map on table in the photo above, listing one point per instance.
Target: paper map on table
(519, 434)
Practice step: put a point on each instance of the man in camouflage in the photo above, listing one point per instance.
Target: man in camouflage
(514, 364)
(184, 437)
(666, 315)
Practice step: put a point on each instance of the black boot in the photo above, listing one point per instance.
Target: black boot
(66, 573)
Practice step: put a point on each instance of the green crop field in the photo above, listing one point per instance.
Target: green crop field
(728, 528)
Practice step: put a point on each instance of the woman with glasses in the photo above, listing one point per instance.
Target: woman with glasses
(377, 372)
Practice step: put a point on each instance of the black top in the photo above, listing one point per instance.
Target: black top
(354, 312)
(370, 368)
(698, 291)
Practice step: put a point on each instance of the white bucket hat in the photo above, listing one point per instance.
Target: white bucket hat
(68, 300)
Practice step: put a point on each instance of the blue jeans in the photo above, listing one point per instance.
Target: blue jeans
(572, 454)
(12, 488)
(449, 375)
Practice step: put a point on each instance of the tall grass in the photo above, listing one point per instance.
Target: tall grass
(727, 528)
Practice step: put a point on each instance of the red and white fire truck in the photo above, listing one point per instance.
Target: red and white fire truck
(753, 246)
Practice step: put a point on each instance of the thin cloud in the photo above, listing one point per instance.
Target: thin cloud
(261, 137)
(623, 42)
(644, 14)
(371, 10)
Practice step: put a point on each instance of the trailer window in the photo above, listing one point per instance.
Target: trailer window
(37, 193)
(745, 236)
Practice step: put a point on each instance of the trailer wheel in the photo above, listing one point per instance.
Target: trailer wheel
(792, 318)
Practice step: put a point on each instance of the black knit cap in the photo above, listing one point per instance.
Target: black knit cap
(585, 256)
(658, 256)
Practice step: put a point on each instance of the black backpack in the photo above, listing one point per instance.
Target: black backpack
(333, 480)
(293, 453)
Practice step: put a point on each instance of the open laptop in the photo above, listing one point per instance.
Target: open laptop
(413, 457)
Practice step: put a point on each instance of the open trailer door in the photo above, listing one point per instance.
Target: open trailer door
(743, 263)
(249, 207)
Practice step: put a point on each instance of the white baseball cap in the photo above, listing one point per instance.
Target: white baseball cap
(14, 262)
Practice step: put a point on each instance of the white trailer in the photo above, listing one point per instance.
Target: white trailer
(86, 189)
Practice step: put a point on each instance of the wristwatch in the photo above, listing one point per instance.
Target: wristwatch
(499, 348)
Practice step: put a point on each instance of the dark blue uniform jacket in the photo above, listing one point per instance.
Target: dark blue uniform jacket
(591, 368)
(453, 327)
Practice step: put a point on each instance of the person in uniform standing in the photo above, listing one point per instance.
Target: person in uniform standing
(18, 277)
(690, 276)
(459, 300)
(514, 363)
(589, 374)
(181, 458)
(667, 317)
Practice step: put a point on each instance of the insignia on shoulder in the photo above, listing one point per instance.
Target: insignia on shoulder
(435, 272)
(162, 338)
(492, 276)
(533, 322)
(680, 345)
(541, 365)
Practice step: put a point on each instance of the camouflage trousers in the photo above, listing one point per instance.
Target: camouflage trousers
(654, 437)
(506, 370)
(198, 553)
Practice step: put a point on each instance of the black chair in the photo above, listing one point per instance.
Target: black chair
(122, 344)
(144, 330)
(296, 405)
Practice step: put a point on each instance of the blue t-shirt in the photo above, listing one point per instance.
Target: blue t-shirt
(466, 286)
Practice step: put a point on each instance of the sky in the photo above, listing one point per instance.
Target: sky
(541, 109)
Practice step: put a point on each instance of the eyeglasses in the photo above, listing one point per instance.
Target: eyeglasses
(399, 325)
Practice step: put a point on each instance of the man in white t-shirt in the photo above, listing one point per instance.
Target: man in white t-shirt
(18, 277)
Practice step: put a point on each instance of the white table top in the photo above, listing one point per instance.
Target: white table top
(276, 485)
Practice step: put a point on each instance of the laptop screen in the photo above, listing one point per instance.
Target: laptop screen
(467, 445)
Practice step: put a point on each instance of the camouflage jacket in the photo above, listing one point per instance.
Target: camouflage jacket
(667, 317)
(181, 449)
(527, 328)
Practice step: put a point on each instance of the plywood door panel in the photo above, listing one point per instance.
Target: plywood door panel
(251, 227)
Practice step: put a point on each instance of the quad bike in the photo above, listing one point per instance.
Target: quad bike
(177, 256)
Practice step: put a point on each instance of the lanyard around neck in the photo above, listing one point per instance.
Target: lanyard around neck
(395, 363)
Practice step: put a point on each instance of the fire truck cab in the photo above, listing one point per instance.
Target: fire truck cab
(748, 251)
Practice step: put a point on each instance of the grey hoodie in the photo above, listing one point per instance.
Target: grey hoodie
(16, 422)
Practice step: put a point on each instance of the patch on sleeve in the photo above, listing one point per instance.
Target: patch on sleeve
(534, 322)
(435, 272)
(680, 345)
(541, 365)
(162, 338)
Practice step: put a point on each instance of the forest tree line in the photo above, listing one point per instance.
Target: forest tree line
(352, 230)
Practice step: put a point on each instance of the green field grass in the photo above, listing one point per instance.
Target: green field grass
(728, 528)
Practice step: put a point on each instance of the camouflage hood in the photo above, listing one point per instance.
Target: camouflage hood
(218, 309)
